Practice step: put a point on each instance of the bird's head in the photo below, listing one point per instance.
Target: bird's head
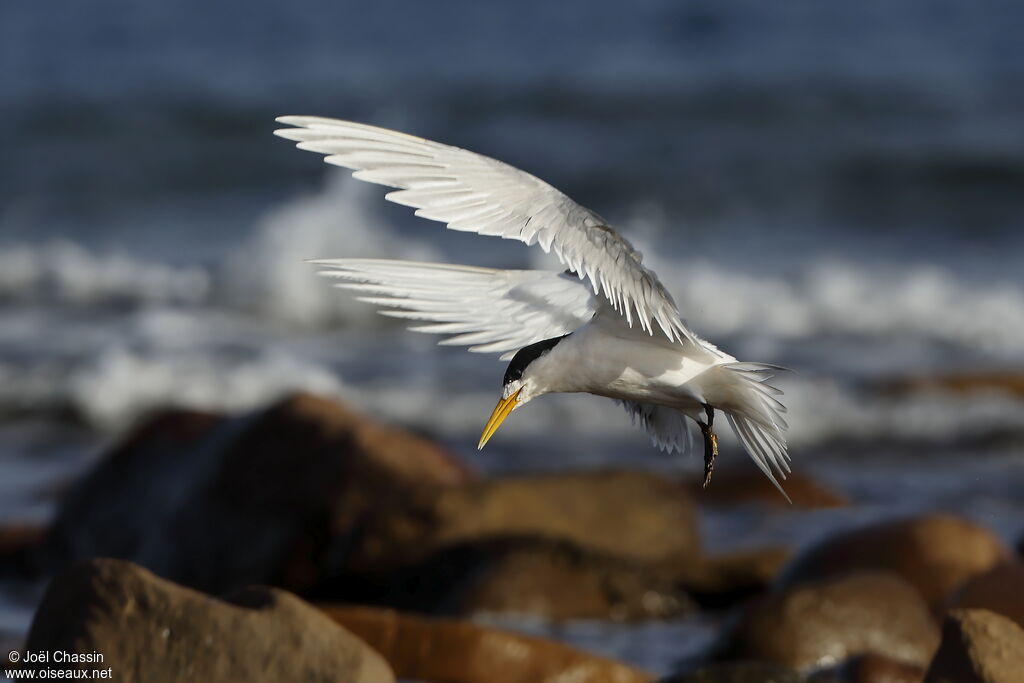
(521, 384)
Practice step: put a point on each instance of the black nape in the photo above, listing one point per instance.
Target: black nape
(527, 355)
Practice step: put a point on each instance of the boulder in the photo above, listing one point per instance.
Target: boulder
(269, 497)
(557, 580)
(935, 553)
(977, 382)
(978, 646)
(739, 672)
(639, 516)
(1000, 590)
(527, 575)
(732, 485)
(825, 622)
(725, 579)
(19, 544)
(454, 651)
(872, 668)
(148, 629)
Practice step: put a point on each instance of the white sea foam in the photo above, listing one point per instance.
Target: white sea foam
(120, 385)
(270, 274)
(70, 273)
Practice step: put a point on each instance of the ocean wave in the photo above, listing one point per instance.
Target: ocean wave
(267, 277)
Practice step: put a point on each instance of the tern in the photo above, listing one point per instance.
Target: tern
(604, 326)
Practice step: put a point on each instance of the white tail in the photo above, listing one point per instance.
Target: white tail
(755, 415)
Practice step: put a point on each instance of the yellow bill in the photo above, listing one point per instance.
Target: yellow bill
(501, 411)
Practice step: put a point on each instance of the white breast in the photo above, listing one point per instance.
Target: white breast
(608, 358)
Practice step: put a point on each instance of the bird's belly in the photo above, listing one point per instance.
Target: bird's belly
(635, 369)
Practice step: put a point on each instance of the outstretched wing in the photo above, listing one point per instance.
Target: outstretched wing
(474, 193)
(668, 428)
(491, 310)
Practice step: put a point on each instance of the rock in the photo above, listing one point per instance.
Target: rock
(557, 580)
(18, 545)
(264, 498)
(529, 575)
(823, 623)
(873, 668)
(935, 553)
(1001, 382)
(638, 516)
(733, 485)
(148, 629)
(739, 672)
(722, 580)
(1000, 590)
(978, 646)
(461, 652)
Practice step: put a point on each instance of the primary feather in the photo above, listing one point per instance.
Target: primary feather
(472, 192)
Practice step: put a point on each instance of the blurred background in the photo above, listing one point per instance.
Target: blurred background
(833, 187)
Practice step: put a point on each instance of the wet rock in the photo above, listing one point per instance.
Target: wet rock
(530, 575)
(935, 553)
(733, 485)
(872, 668)
(557, 580)
(19, 543)
(426, 649)
(978, 646)
(1000, 590)
(823, 623)
(638, 516)
(151, 630)
(739, 672)
(264, 498)
(722, 580)
(1001, 382)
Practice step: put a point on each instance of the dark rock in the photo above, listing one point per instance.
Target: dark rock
(872, 668)
(638, 516)
(265, 498)
(19, 544)
(935, 553)
(461, 652)
(733, 485)
(823, 623)
(151, 630)
(978, 646)
(739, 672)
(723, 580)
(551, 578)
(978, 382)
(1000, 590)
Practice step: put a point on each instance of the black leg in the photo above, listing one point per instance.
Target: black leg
(710, 444)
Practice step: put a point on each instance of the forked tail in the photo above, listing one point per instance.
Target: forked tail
(756, 416)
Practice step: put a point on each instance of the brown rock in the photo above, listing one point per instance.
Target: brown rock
(875, 668)
(826, 622)
(461, 652)
(151, 630)
(725, 579)
(634, 515)
(740, 672)
(18, 545)
(978, 646)
(265, 498)
(1000, 590)
(733, 485)
(1001, 382)
(551, 578)
(935, 553)
(556, 580)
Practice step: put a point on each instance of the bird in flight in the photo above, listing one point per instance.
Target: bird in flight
(604, 326)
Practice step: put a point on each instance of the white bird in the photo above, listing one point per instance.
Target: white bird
(621, 337)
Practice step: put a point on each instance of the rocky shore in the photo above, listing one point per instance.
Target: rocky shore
(309, 542)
